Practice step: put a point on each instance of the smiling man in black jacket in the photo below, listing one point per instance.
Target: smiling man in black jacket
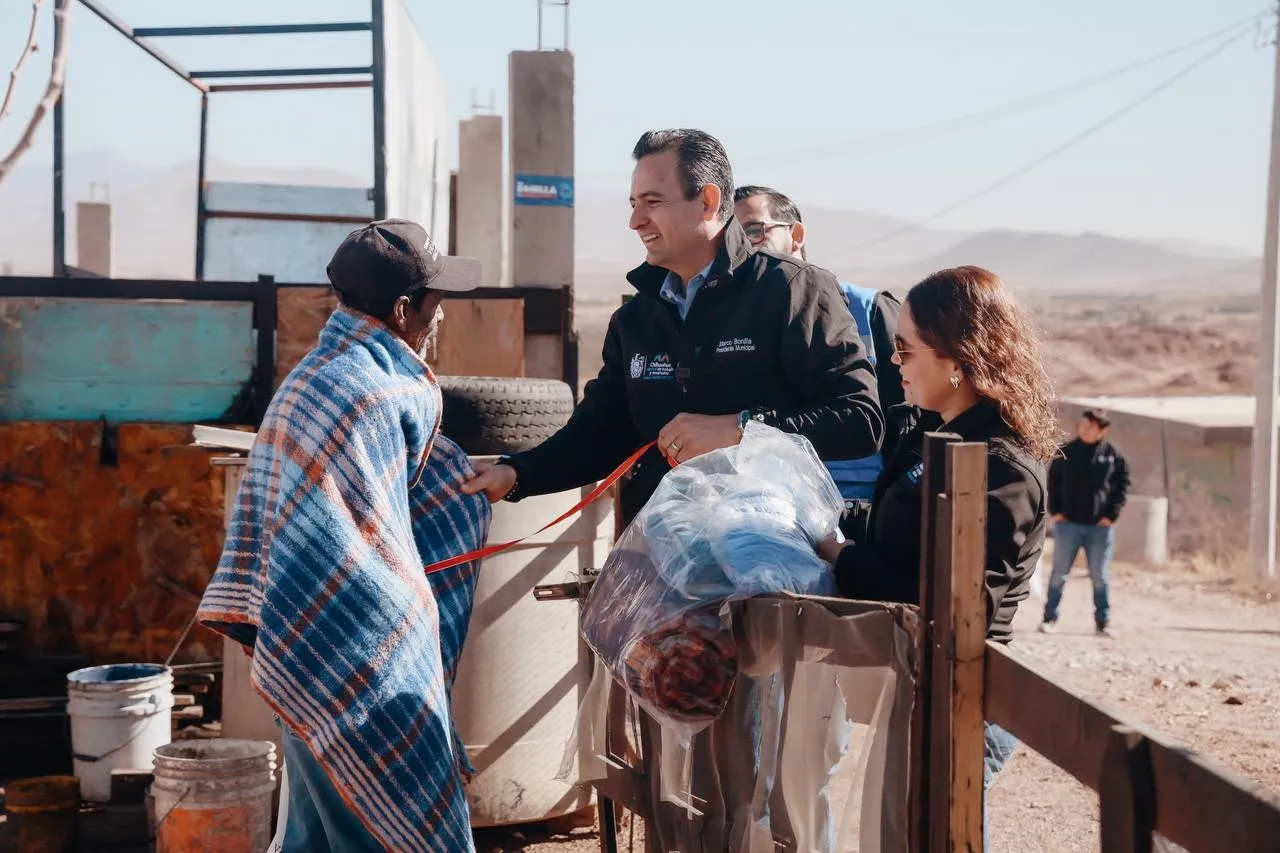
(717, 334)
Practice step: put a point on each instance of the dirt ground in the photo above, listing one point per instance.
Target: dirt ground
(1176, 345)
(1194, 657)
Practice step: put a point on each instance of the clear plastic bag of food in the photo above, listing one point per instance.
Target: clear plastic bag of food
(734, 523)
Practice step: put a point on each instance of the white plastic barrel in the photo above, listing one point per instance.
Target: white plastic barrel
(245, 715)
(1142, 533)
(214, 795)
(521, 678)
(120, 714)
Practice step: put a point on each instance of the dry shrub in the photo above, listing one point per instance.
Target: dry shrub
(1210, 536)
(1205, 529)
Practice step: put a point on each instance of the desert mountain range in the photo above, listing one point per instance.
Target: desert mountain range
(154, 216)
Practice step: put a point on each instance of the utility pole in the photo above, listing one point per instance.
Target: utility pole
(1262, 516)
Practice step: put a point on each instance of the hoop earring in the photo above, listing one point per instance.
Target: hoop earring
(955, 383)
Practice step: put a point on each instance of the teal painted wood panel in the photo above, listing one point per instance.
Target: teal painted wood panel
(127, 360)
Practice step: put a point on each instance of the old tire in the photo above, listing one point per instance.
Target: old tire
(489, 416)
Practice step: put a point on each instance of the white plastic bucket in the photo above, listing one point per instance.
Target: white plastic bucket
(119, 714)
(214, 795)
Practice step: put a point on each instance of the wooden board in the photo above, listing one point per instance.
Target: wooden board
(123, 359)
(966, 513)
(481, 337)
(1127, 794)
(1197, 805)
(931, 723)
(301, 313)
(1046, 716)
(948, 777)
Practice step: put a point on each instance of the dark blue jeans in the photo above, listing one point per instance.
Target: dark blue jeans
(1097, 542)
(319, 820)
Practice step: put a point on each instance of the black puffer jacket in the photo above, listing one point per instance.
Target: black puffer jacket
(1089, 482)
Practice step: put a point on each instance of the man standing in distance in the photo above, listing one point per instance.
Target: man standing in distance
(772, 223)
(717, 335)
(1088, 486)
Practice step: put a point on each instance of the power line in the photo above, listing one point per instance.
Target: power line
(1070, 143)
(929, 131)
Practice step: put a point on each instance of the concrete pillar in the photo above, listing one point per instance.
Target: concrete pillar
(93, 237)
(541, 140)
(480, 191)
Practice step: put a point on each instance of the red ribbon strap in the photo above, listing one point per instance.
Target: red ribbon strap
(490, 550)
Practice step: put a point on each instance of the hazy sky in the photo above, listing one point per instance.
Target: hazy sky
(794, 90)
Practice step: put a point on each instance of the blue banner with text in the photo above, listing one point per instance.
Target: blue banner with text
(544, 190)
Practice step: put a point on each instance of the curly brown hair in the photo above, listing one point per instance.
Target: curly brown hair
(968, 315)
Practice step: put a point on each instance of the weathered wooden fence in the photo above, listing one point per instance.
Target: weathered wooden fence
(1147, 785)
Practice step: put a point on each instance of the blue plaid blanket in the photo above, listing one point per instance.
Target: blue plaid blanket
(446, 523)
(344, 500)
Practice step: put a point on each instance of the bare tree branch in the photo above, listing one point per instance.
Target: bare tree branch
(52, 92)
(22, 58)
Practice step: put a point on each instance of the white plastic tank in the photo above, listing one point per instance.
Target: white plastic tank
(523, 671)
(119, 714)
(1142, 532)
(245, 715)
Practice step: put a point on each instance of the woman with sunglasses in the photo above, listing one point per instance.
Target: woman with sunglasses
(970, 365)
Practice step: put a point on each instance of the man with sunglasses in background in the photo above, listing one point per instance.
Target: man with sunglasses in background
(772, 222)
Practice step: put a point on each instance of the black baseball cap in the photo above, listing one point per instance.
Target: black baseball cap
(390, 258)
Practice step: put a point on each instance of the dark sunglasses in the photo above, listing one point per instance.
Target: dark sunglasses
(904, 352)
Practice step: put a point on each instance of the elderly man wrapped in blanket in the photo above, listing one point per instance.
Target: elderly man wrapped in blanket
(347, 495)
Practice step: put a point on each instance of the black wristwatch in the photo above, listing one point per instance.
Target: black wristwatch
(745, 417)
(506, 460)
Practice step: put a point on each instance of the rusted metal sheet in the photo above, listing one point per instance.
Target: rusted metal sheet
(107, 558)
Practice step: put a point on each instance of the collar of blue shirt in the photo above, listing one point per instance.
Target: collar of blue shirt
(682, 297)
